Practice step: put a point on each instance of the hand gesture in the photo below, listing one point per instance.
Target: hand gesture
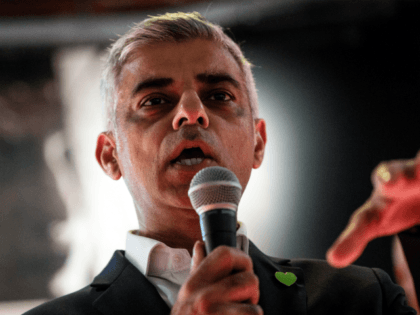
(393, 207)
(221, 283)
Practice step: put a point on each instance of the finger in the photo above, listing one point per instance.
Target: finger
(361, 229)
(239, 287)
(387, 173)
(243, 286)
(403, 179)
(220, 263)
(230, 309)
(199, 253)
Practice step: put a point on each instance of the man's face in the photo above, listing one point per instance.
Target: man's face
(178, 96)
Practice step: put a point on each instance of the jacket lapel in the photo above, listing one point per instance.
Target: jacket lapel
(276, 297)
(126, 290)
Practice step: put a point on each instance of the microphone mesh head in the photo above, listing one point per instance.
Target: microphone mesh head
(214, 185)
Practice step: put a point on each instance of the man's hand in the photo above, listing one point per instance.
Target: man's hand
(221, 283)
(393, 207)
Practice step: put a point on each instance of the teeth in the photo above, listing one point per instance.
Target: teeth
(192, 161)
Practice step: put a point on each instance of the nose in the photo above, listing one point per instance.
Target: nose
(190, 111)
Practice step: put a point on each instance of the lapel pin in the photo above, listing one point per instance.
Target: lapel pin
(287, 278)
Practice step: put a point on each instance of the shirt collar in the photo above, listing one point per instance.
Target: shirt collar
(153, 258)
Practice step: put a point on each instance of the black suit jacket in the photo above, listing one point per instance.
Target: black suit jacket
(320, 289)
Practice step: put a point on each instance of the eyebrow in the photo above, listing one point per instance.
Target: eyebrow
(214, 78)
(207, 78)
(151, 83)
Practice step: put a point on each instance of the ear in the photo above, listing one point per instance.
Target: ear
(106, 155)
(260, 141)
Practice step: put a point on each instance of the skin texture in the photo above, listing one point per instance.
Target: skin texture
(153, 122)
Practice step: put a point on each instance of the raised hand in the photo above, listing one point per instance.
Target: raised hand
(393, 207)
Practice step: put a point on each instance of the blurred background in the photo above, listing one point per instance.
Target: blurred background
(339, 87)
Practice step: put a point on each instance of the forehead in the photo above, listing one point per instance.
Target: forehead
(180, 61)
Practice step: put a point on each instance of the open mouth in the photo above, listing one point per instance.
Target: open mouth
(192, 156)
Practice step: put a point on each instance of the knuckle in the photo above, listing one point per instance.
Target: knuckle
(203, 303)
(222, 250)
(187, 289)
(255, 287)
(225, 257)
(247, 278)
(372, 215)
(381, 173)
(409, 169)
(239, 280)
(255, 280)
(248, 262)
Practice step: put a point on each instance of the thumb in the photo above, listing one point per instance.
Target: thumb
(199, 253)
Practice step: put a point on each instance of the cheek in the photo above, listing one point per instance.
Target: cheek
(128, 153)
(239, 143)
(236, 134)
(240, 112)
(141, 155)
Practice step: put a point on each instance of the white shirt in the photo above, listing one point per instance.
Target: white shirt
(165, 267)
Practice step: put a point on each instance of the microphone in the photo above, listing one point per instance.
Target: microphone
(215, 193)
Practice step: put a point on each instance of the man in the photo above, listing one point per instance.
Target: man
(181, 97)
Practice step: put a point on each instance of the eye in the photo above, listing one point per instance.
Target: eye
(221, 97)
(154, 101)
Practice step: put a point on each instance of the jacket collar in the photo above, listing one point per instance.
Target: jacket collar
(276, 297)
(127, 291)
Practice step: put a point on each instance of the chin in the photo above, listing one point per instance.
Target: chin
(183, 201)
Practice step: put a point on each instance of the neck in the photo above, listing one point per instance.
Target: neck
(176, 228)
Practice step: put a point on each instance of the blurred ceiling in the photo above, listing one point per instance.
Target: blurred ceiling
(23, 8)
(67, 22)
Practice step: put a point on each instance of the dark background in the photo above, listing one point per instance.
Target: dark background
(347, 72)
(355, 88)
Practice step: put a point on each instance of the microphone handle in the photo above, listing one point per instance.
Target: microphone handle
(218, 227)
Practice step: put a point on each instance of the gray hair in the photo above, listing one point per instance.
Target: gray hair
(170, 27)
